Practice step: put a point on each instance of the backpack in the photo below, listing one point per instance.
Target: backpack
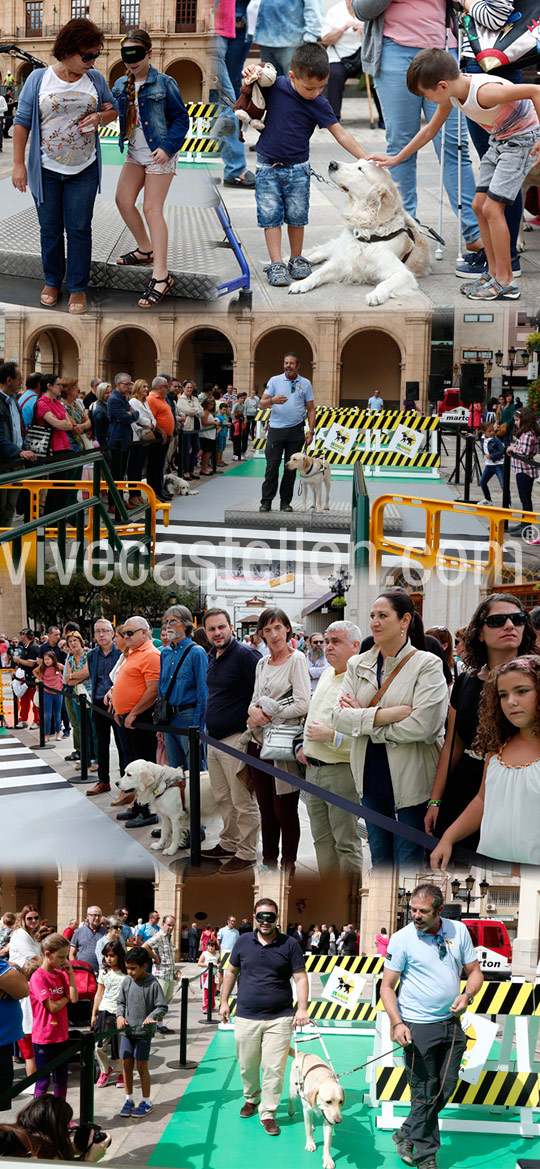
(85, 979)
(516, 44)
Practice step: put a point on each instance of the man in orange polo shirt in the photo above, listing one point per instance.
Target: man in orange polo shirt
(134, 693)
(157, 451)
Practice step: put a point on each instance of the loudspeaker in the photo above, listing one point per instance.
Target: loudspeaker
(436, 387)
(412, 391)
(472, 382)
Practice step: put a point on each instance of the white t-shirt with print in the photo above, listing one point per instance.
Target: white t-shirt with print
(138, 148)
(62, 107)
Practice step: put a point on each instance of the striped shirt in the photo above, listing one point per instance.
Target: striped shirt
(489, 15)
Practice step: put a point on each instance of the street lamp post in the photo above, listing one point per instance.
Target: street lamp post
(469, 886)
(513, 355)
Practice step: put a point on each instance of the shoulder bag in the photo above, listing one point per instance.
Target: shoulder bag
(38, 437)
(279, 738)
(377, 697)
(162, 713)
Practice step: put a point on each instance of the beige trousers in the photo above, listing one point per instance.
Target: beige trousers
(167, 985)
(335, 833)
(263, 1045)
(236, 804)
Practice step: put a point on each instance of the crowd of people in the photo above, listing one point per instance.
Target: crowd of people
(434, 730)
(145, 430)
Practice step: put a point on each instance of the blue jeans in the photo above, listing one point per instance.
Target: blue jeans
(68, 205)
(237, 51)
(233, 153)
(388, 848)
(282, 193)
(489, 472)
(177, 746)
(52, 710)
(480, 138)
(280, 56)
(191, 444)
(402, 112)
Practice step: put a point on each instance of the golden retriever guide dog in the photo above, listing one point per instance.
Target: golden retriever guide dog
(166, 792)
(313, 473)
(380, 244)
(321, 1093)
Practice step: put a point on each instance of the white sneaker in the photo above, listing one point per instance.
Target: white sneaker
(486, 503)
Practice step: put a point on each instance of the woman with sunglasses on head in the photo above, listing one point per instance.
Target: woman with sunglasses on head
(24, 942)
(61, 108)
(154, 122)
(499, 629)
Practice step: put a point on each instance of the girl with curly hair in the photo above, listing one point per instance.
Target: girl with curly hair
(154, 122)
(507, 807)
(499, 629)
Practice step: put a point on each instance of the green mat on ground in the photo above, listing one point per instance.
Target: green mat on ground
(248, 469)
(206, 1131)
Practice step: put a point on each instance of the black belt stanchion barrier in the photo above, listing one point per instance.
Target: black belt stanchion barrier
(194, 797)
(41, 692)
(468, 467)
(86, 1087)
(506, 485)
(210, 969)
(15, 712)
(183, 1061)
(83, 736)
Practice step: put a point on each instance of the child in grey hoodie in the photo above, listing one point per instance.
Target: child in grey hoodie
(141, 1004)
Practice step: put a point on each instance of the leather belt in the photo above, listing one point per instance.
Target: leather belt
(322, 762)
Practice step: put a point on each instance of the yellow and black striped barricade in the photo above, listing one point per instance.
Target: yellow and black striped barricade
(517, 1006)
(346, 435)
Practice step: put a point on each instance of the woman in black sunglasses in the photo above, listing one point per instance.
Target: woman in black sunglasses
(499, 630)
(61, 108)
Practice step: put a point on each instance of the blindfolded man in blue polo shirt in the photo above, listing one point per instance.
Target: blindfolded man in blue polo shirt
(265, 961)
(428, 957)
(291, 398)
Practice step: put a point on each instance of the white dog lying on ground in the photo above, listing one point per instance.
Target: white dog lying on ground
(177, 486)
(166, 792)
(381, 244)
(323, 1094)
(313, 473)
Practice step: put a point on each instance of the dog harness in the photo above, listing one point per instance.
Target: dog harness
(300, 1077)
(167, 784)
(316, 467)
(381, 239)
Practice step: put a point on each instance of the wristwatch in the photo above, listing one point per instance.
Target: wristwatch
(470, 997)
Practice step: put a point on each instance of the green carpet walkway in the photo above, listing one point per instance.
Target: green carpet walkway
(206, 1131)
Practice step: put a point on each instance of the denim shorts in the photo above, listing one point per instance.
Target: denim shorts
(282, 194)
(134, 1047)
(505, 165)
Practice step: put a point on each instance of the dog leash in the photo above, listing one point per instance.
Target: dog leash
(308, 1038)
(329, 183)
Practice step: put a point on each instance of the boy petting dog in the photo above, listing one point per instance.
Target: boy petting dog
(294, 107)
(511, 115)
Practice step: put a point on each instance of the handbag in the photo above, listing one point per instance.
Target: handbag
(38, 439)
(162, 712)
(279, 738)
(353, 64)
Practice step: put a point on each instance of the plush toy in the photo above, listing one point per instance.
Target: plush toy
(251, 105)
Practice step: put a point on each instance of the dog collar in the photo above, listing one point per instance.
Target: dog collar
(374, 239)
(168, 783)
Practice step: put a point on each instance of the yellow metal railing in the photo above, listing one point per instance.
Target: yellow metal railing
(489, 556)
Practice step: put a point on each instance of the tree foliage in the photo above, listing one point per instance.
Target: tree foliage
(53, 603)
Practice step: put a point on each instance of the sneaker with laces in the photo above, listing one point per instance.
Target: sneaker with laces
(404, 1146)
(298, 267)
(277, 274)
(473, 264)
(142, 1109)
(120, 1081)
(516, 268)
(103, 1078)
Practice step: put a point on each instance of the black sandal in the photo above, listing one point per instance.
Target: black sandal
(151, 294)
(131, 259)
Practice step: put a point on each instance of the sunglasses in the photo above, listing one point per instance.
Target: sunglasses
(31, 917)
(441, 946)
(131, 632)
(498, 620)
(86, 57)
(266, 918)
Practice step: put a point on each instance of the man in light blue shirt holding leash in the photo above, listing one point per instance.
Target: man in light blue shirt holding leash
(291, 398)
(427, 957)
